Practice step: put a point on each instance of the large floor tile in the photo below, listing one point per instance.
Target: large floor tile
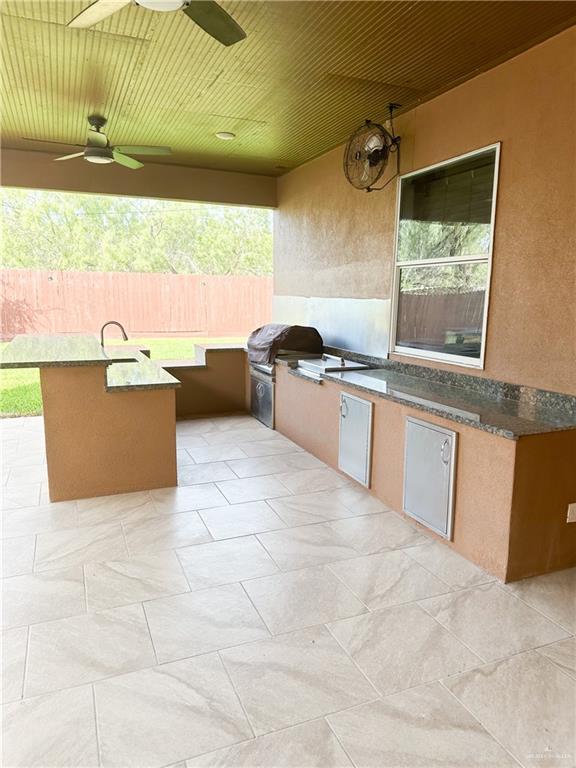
(563, 654)
(270, 447)
(308, 480)
(13, 644)
(293, 678)
(166, 532)
(85, 648)
(17, 555)
(37, 597)
(376, 533)
(527, 703)
(225, 562)
(306, 546)
(159, 716)
(553, 594)
(122, 582)
(448, 565)
(17, 496)
(199, 622)
(422, 727)
(241, 519)
(76, 546)
(239, 436)
(39, 519)
(311, 745)
(388, 579)
(189, 440)
(491, 622)
(53, 731)
(24, 474)
(205, 473)
(252, 489)
(289, 601)
(239, 421)
(358, 500)
(212, 453)
(270, 465)
(194, 426)
(400, 647)
(307, 508)
(184, 458)
(123, 507)
(187, 498)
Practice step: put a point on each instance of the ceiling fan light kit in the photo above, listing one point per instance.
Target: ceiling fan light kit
(99, 155)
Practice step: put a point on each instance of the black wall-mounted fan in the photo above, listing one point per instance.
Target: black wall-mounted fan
(367, 153)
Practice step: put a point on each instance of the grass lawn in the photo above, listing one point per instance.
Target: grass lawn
(20, 387)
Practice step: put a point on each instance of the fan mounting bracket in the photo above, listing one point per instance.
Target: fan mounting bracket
(97, 122)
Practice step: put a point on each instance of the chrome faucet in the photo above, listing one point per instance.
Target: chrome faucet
(112, 322)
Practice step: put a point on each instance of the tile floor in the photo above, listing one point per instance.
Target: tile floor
(265, 614)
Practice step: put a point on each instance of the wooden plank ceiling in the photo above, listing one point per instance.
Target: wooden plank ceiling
(305, 77)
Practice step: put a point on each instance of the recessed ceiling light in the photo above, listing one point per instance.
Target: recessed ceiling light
(226, 135)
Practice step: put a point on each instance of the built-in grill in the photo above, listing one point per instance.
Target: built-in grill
(266, 345)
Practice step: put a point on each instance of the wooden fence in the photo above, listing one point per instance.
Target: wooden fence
(37, 301)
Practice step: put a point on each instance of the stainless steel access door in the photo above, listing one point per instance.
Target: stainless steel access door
(262, 397)
(355, 446)
(429, 465)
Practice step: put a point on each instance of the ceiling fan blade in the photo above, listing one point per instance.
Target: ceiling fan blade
(69, 157)
(129, 162)
(97, 12)
(97, 139)
(138, 150)
(60, 143)
(215, 21)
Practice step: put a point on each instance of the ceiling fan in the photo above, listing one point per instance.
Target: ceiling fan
(99, 150)
(206, 13)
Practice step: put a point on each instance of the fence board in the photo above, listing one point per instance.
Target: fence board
(41, 301)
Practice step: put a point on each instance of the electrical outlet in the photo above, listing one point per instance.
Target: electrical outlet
(571, 516)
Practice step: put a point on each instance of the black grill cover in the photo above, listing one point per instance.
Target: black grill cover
(265, 342)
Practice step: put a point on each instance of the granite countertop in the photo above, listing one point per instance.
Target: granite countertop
(142, 373)
(501, 416)
(58, 350)
(127, 366)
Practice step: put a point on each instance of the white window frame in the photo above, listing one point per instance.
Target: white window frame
(444, 357)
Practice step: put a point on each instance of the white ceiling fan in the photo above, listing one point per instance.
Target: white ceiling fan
(99, 150)
(206, 13)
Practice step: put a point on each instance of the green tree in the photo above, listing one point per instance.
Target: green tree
(62, 230)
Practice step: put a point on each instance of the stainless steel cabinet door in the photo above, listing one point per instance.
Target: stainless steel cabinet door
(355, 448)
(429, 463)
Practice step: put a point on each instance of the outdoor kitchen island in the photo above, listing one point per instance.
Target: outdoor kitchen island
(109, 415)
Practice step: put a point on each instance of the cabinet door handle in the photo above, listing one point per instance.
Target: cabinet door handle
(343, 412)
(445, 444)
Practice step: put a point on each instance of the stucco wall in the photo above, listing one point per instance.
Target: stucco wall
(37, 170)
(331, 240)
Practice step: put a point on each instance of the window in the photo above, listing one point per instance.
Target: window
(443, 255)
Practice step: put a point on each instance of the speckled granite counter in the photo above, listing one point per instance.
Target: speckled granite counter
(59, 350)
(502, 416)
(141, 374)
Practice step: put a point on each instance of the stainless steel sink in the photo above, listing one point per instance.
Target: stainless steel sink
(330, 363)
